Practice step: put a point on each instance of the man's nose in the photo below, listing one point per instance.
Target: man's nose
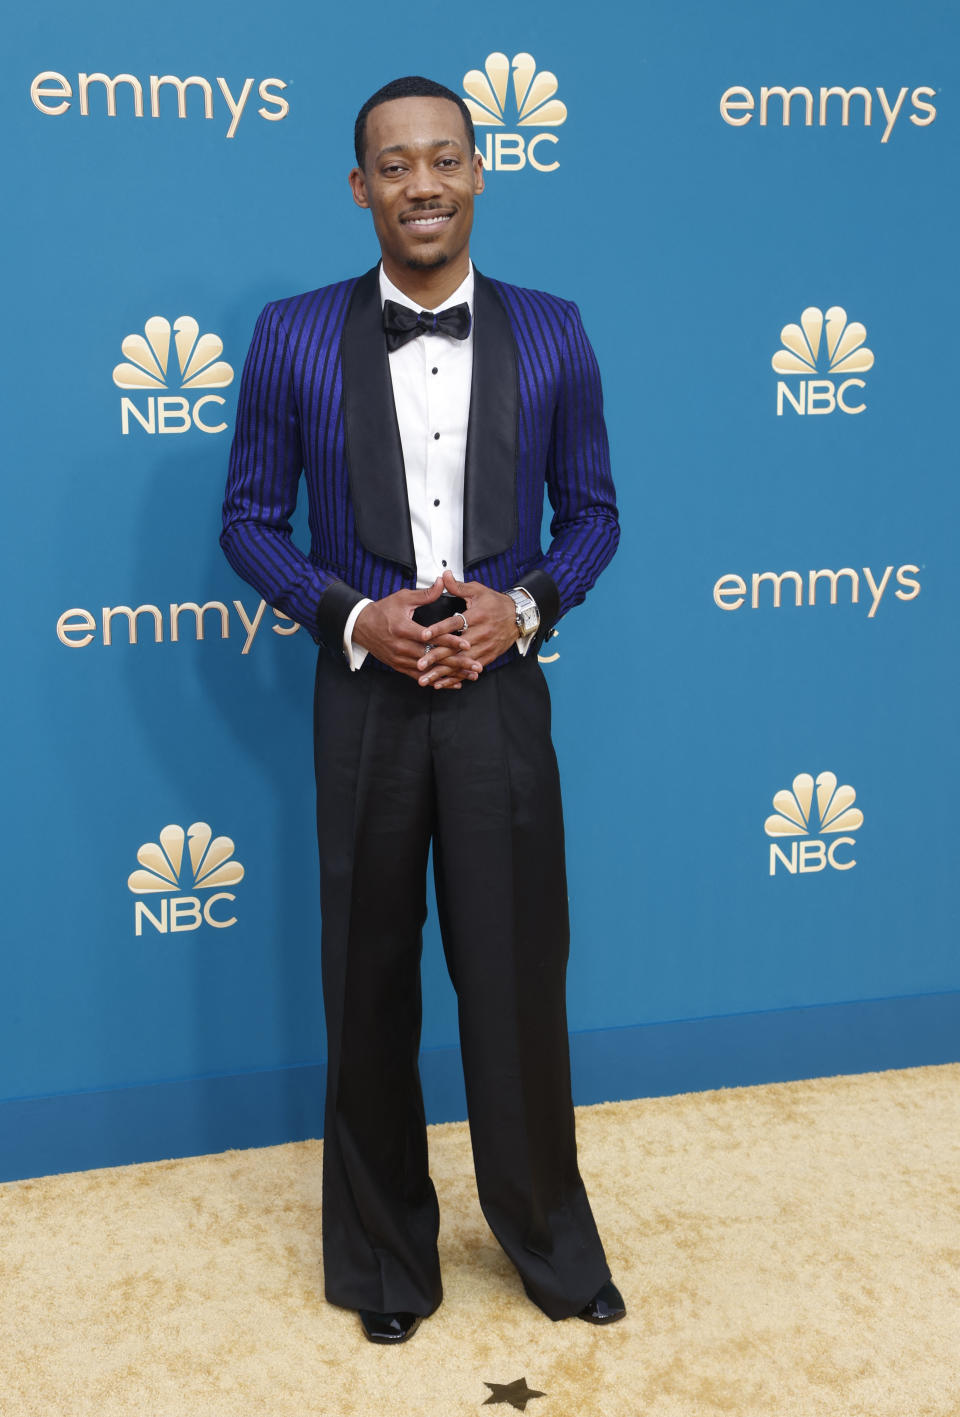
(423, 181)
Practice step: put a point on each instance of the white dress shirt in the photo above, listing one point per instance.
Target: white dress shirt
(431, 377)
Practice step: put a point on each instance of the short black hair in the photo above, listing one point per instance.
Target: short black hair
(412, 86)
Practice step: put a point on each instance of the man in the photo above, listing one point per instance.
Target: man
(428, 407)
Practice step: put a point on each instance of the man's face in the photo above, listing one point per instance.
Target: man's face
(418, 180)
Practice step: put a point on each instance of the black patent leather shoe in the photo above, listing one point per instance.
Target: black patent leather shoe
(605, 1307)
(388, 1328)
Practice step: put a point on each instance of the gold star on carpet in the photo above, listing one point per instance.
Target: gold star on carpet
(517, 1394)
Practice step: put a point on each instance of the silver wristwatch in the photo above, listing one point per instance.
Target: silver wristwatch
(528, 613)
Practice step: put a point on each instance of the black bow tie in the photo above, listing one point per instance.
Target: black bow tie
(402, 324)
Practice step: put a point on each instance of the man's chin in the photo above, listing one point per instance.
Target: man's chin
(427, 263)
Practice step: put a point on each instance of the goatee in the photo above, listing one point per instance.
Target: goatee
(417, 263)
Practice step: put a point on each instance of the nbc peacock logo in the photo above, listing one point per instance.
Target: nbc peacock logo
(148, 366)
(823, 344)
(836, 817)
(535, 105)
(167, 868)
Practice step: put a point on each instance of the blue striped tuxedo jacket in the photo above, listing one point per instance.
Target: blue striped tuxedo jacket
(316, 397)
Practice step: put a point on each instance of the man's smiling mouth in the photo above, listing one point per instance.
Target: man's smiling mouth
(428, 221)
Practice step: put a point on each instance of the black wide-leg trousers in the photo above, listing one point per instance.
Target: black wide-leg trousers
(474, 772)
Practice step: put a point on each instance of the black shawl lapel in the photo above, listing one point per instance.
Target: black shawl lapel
(378, 488)
(490, 474)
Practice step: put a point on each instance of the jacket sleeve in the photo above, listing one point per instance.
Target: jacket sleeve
(585, 528)
(265, 465)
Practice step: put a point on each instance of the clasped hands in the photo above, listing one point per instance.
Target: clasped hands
(388, 630)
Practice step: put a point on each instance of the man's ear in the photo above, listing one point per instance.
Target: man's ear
(358, 186)
(477, 173)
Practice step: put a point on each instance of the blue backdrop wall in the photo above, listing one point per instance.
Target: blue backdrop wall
(756, 210)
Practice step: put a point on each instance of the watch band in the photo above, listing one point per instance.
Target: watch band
(528, 612)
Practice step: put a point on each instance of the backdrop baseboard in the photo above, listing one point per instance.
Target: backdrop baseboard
(82, 1130)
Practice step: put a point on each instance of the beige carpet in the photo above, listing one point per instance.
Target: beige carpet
(785, 1251)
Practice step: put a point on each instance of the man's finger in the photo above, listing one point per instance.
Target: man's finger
(408, 600)
(444, 655)
(455, 643)
(404, 628)
(465, 668)
(428, 594)
(448, 663)
(454, 586)
(451, 626)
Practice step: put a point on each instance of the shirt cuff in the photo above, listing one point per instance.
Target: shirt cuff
(524, 644)
(355, 654)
